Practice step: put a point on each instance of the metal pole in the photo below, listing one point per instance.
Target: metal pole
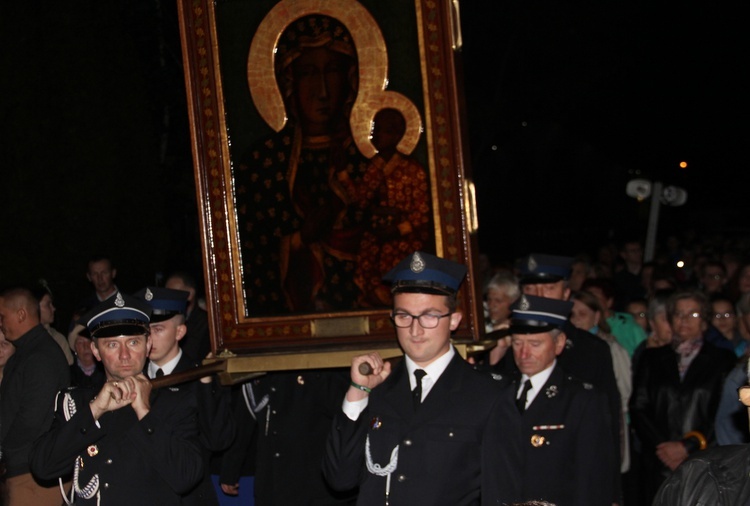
(653, 222)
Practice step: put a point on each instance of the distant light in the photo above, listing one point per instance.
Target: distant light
(683, 165)
(523, 124)
(680, 264)
(494, 147)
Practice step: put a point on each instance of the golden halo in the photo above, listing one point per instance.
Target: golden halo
(372, 57)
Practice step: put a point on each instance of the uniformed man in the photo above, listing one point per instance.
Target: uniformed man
(417, 432)
(215, 422)
(123, 444)
(585, 356)
(564, 435)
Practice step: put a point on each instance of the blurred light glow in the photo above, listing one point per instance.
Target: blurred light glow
(683, 165)
(680, 264)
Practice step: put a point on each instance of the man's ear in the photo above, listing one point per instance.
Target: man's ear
(181, 331)
(560, 343)
(21, 314)
(95, 350)
(456, 319)
(114, 273)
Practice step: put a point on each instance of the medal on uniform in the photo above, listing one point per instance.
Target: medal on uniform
(537, 440)
(551, 391)
(92, 450)
(376, 423)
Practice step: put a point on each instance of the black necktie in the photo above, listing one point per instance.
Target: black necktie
(417, 392)
(521, 401)
(159, 373)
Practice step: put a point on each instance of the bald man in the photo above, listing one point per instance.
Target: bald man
(32, 378)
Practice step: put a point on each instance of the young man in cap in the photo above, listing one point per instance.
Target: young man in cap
(564, 436)
(124, 444)
(215, 422)
(418, 433)
(31, 378)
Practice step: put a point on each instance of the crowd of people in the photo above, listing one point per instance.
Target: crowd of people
(606, 377)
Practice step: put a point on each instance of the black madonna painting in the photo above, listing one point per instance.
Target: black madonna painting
(332, 159)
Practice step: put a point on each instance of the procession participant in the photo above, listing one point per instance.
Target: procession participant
(565, 433)
(417, 432)
(125, 444)
(215, 422)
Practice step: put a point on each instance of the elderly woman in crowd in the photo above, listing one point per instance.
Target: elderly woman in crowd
(501, 291)
(676, 390)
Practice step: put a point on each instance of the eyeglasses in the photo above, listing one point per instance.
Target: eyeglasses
(426, 321)
(687, 316)
(639, 315)
(720, 316)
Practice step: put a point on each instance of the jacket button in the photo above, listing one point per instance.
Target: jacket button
(83, 430)
(109, 461)
(407, 442)
(277, 455)
(149, 430)
(106, 485)
(402, 478)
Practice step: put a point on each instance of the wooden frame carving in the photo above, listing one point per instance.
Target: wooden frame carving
(404, 58)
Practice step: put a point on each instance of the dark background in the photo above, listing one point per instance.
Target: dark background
(565, 102)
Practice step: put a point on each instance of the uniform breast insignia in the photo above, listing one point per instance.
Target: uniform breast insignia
(588, 386)
(568, 344)
(376, 423)
(300, 380)
(551, 391)
(558, 426)
(537, 440)
(174, 389)
(92, 450)
(497, 377)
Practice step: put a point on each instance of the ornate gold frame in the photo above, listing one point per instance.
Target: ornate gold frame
(435, 119)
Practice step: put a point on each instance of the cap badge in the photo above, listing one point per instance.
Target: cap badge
(551, 391)
(537, 440)
(417, 263)
(524, 305)
(119, 301)
(532, 265)
(149, 294)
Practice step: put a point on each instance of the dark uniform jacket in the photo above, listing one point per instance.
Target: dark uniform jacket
(32, 377)
(441, 446)
(663, 408)
(293, 413)
(564, 440)
(587, 358)
(125, 461)
(215, 425)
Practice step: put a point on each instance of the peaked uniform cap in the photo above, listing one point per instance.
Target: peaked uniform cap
(540, 268)
(425, 273)
(121, 315)
(535, 315)
(165, 302)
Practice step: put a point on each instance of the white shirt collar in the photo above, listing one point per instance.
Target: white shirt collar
(166, 368)
(434, 371)
(537, 382)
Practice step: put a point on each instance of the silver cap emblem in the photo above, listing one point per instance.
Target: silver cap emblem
(149, 294)
(523, 304)
(417, 263)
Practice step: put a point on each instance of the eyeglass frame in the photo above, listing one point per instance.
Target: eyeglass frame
(694, 315)
(720, 316)
(413, 317)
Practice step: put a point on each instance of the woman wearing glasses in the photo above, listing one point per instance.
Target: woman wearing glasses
(676, 391)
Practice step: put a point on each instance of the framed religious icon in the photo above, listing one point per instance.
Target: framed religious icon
(327, 147)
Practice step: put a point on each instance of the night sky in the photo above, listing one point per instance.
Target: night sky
(565, 102)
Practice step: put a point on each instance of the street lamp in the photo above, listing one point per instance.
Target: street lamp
(642, 189)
